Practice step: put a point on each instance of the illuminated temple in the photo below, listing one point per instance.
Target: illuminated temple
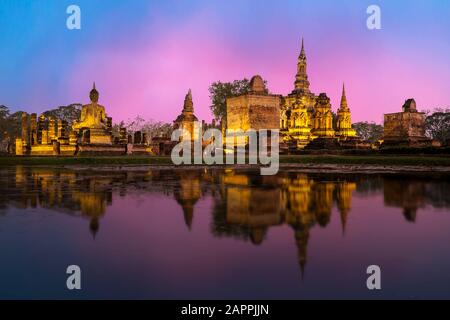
(307, 117)
(91, 134)
(304, 118)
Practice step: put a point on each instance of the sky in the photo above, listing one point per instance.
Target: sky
(144, 55)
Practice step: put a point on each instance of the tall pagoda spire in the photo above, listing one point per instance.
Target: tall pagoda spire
(302, 52)
(344, 121)
(344, 104)
(188, 104)
(301, 79)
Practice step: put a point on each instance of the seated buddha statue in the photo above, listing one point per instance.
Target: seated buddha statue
(92, 115)
(93, 119)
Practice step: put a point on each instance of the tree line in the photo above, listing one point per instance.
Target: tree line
(437, 123)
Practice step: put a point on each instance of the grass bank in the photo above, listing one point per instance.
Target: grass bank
(391, 160)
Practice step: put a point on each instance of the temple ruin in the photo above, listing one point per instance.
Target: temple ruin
(90, 135)
(406, 128)
(305, 121)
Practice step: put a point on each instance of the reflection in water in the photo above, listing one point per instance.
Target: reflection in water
(246, 204)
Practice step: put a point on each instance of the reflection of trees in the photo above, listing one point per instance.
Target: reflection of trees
(411, 194)
(438, 194)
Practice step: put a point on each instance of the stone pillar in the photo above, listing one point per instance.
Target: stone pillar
(109, 125)
(144, 139)
(24, 126)
(60, 131)
(129, 148)
(19, 147)
(51, 129)
(56, 147)
(62, 136)
(33, 129)
(40, 127)
(123, 135)
(44, 136)
(73, 138)
(137, 137)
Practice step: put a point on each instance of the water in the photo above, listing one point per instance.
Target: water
(225, 234)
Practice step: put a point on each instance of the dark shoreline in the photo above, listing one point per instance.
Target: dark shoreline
(387, 167)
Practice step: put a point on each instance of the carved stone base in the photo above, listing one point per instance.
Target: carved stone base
(101, 150)
(418, 142)
(354, 143)
(67, 150)
(43, 150)
(141, 150)
(99, 136)
(323, 144)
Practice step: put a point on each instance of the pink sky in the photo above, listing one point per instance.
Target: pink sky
(145, 56)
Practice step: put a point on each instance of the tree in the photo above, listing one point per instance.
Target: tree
(70, 113)
(220, 91)
(437, 125)
(4, 123)
(157, 129)
(150, 127)
(116, 128)
(14, 127)
(135, 124)
(370, 132)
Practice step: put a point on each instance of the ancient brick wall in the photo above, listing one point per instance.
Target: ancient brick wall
(264, 112)
(237, 113)
(404, 125)
(253, 112)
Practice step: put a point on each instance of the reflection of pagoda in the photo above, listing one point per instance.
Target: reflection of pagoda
(294, 199)
(408, 195)
(301, 240)
(254, 208)
(344, 192)
(299, 213)
(246, 206)
(323, 202)
(187, 195)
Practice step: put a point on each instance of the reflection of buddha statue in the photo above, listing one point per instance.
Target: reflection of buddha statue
(93, 119)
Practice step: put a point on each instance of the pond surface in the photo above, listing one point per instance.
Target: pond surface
(222, 234)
